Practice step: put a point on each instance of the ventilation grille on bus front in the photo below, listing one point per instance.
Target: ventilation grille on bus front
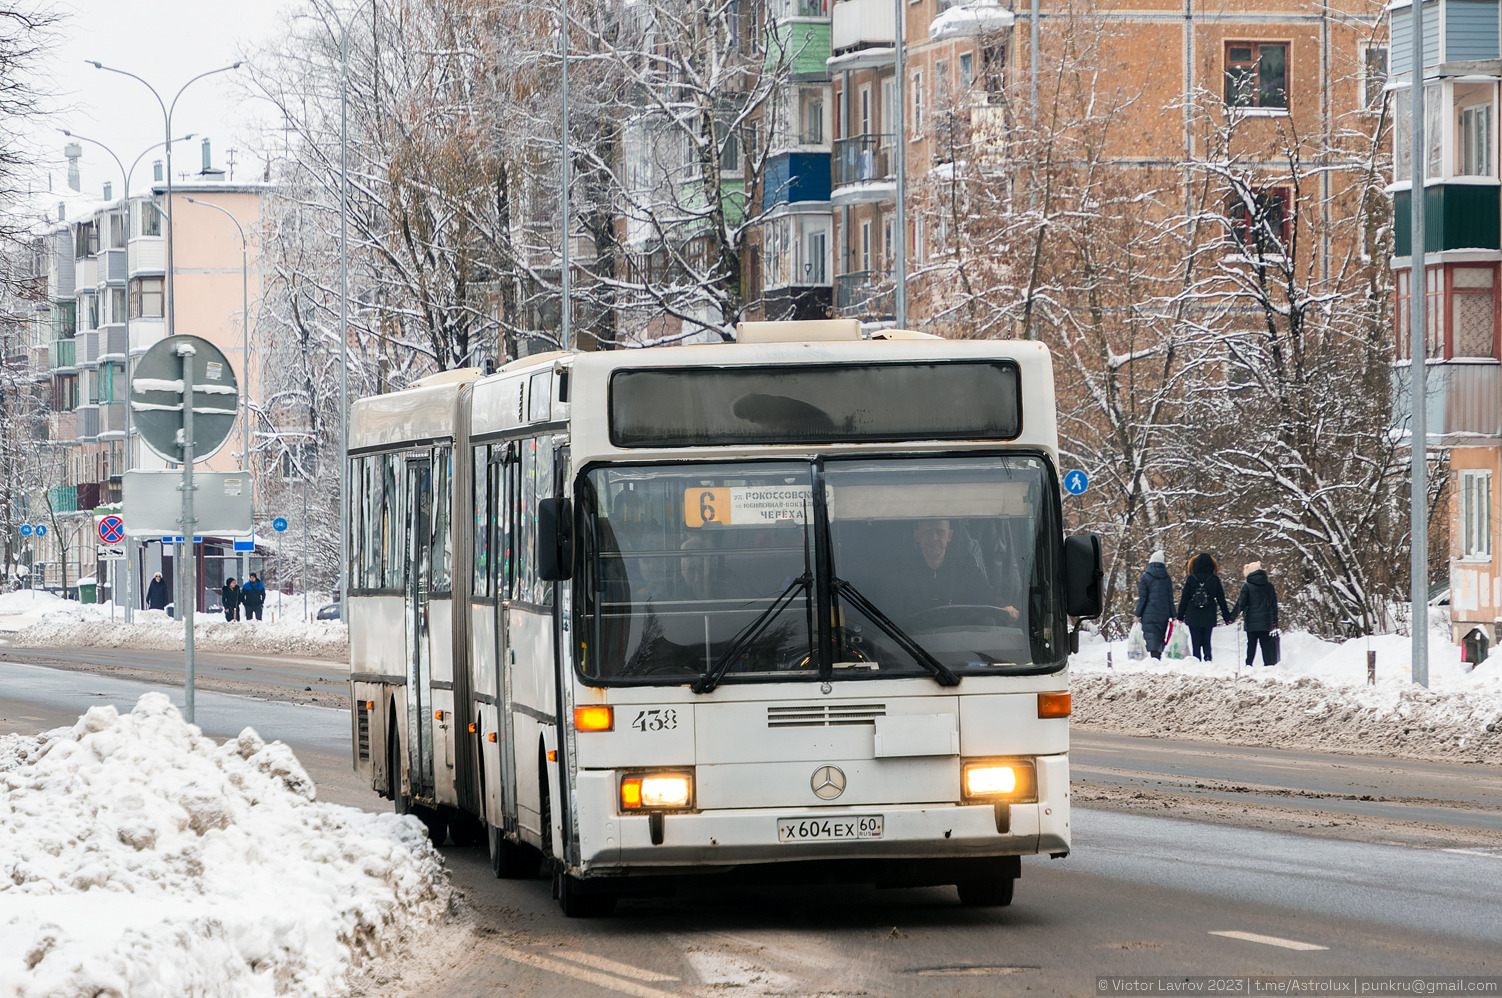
(362, 721)
(824, 715)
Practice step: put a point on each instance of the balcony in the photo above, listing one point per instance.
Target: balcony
(63, 499)
(145, 333)
(112, 420)
(88, 348)
(1469, 35)
(113, 344)
(803, 46)
(863, 25)
(112, 265)
(862, 170)
(64, 355)
(148, 255)
(1456, 216)
(1463, 397)
(86, 272)
(865, 294)
(795, 177)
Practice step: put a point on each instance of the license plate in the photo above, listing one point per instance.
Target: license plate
(846, 826)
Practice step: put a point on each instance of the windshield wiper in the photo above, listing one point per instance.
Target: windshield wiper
(750, 633)
(941, 673)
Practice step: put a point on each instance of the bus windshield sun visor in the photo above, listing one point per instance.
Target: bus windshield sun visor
(778, 404)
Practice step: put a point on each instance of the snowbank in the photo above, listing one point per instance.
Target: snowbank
(143, 859)
(42, 620)
(1317, 697)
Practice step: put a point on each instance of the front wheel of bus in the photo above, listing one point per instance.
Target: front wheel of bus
(987, 890)
(575, 900)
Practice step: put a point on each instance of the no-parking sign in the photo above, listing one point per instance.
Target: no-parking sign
(111, 529)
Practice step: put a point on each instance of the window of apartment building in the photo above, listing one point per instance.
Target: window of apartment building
(730, 151)
(918, 245)
(148, 218)
(865, 246)
(88, 311)
(1476, 514)
(111, 385)
(1257, 74)
(85, 240)
(917, 106)
(1461, 313)
(1403, 131)
(1476, 141)
(1261, 221)
(65, 392)
(811, 111)
(64, 320)
(117, 305)
(888, 251)
(891, 114)
(1373, 76)
(146, 298)
(866, 111)
(815, 268)
(117, 230)
(993, 70)
(967, 68)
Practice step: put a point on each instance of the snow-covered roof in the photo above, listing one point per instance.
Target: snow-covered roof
(977, 17)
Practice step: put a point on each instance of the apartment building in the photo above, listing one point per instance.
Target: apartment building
(1463, 251)
(104, 266)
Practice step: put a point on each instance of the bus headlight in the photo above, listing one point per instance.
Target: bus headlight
(1010, 780)
(657, 791)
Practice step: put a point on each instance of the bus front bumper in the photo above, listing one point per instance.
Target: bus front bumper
(613, 843)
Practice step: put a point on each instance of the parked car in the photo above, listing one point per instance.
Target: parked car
(329, 611)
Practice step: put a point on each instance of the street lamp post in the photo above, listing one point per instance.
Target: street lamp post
(245, 361)
(125, 175)
(343, 589)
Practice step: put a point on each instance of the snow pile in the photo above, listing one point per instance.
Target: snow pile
(142, 859)
(1317, 697)
(42, 620)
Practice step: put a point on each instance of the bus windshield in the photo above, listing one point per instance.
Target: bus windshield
(931, 566)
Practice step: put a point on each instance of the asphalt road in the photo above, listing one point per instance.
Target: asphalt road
(1140, 895)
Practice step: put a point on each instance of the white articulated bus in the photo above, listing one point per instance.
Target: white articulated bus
(795, 607)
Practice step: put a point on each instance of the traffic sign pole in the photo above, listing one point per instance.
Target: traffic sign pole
(190, 551)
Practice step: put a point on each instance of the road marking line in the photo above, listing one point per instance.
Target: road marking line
(579, 973)
(623, 969)
(1252, 937)
(1488, 853)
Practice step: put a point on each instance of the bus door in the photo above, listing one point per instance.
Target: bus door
(419, 657)
(502, 492)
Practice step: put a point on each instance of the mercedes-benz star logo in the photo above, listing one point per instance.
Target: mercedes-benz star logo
(828, 782)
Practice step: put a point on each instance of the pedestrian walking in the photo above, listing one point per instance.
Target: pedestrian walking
(156, 594)
(229, 597)
(1155, 603)
(1259, 601)
(253, 597)
(1202, 604)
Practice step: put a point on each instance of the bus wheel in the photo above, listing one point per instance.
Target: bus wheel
(512, 860)
(436, 821)
(575, 900)
(987, 890)
(465, 829)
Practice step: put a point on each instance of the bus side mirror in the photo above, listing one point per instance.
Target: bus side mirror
(555, 539)
(1084, 571)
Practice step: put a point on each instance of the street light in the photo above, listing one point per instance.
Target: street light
(244, 354)
(344, 316)
(125, 175)
(189, 568)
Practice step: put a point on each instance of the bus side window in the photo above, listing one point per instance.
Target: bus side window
(480, 562)
(543, 490)
(442, 547)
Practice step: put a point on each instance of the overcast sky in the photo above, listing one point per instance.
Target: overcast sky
(166, 42)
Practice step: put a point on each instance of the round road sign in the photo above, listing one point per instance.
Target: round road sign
(1076, 482)
(111, 529)
(25, 530)
(279, 524)
(41, 530)
(156, 397)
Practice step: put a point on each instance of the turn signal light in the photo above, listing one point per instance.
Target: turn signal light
(437, 715)
(1000, 780)
(594, 718)
(656, 791)
(473, 728)
(370, 705)
(1053, 704)
(491, 736)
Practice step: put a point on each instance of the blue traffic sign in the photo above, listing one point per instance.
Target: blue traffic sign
(41, 530)
(249, 545)
(279, 524)
(25, 530)
(1076, 482)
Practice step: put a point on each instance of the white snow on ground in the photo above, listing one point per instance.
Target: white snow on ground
(30, 619)
(139, 858)
(1317, 697)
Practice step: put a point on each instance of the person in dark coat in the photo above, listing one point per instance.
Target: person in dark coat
(253, 597)
(229, 596)
(1155, 603)
(1202, 596)
(1259, 601)
(943, 573)
(156, 594)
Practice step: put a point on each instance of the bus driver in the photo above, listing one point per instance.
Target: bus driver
(947, 574)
